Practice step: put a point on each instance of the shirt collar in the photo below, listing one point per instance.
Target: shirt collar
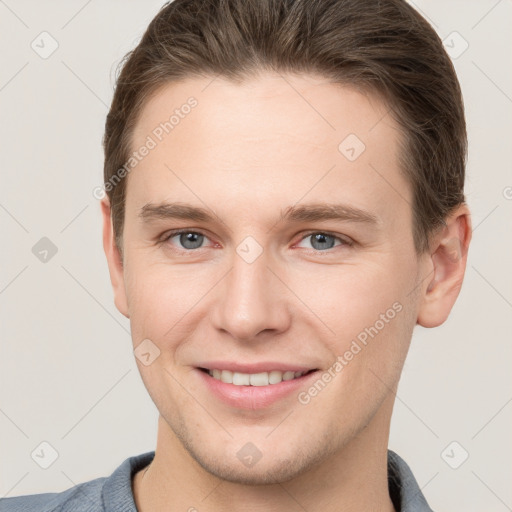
(403, 488)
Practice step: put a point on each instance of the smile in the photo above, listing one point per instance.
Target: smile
(254, 388)
(254, 379)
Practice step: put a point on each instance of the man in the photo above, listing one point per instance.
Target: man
(284, 204)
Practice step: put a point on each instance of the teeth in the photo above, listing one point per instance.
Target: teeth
(275, 377)
(253, 379)
(241, 379)
(259, 379)
(226, 376)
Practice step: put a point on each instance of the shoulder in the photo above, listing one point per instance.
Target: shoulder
(111, 493)
(403, 487)
(81, 497)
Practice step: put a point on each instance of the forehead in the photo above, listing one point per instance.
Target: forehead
(266, 105)
(284, 135)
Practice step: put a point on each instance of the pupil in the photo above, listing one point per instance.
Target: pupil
(320, 239)
(191, 240)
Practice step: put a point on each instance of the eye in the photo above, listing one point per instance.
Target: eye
(321, 241)
(189, 240)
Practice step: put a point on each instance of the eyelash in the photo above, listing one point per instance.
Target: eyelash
(344, 242)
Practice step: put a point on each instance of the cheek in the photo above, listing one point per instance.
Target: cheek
(363, 310)
(348, 298)
(159, 304)
(150, 295)
(164, 302)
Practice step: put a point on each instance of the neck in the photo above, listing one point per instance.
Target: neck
(352, 479)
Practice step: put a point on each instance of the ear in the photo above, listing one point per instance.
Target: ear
(114, 260)
(447, 263)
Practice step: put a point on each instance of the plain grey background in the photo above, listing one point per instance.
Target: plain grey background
(67, 372)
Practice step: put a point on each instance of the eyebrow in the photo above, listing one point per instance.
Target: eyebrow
(302, 213)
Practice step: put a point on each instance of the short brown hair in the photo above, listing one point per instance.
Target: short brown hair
(384, 46)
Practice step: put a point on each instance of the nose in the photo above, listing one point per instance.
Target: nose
(251, 301)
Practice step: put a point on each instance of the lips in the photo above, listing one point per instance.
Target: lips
(253, 386)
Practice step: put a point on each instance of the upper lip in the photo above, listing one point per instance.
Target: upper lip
(254, 367)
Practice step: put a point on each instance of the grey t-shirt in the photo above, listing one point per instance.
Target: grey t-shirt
(114, 493)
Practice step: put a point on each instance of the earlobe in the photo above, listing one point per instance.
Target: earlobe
(114, 260)
(448, 263)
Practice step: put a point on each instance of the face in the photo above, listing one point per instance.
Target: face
(294, 255)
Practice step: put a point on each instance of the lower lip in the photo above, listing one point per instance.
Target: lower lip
(253, 397)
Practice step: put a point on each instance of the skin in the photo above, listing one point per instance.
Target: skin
(247, 152)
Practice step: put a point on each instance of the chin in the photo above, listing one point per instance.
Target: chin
(263, 473)
(274, 467)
